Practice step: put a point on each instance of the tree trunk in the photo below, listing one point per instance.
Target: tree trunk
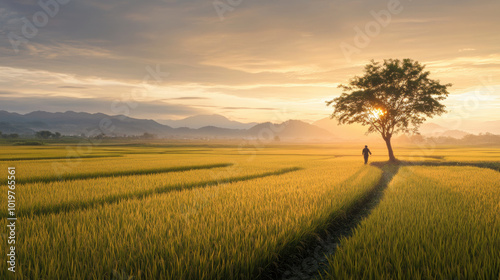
(392, 158)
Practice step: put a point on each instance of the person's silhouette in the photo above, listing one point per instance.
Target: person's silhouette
(366, 153)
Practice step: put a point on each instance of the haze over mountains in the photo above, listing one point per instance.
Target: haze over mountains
(73, 123)
(200, 121)
(429, 129)
(208, 126)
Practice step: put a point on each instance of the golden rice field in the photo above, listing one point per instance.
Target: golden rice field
(433, 223)
(224, 211)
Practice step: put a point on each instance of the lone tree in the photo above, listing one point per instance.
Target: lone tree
(391, 97)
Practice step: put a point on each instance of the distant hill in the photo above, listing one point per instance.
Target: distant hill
(469, 139)
(435, 130)
(489, 126)
(357, 132)
(345, 132)
(200, 121)
(73, 123)
(214, 126)
(291, 130)
(431, 129)
(459, 134)
(464, 125)
(10, 128)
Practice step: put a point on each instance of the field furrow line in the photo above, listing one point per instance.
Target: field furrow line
(84, 176)
(82, 204)
(59, 157)
(311, 259)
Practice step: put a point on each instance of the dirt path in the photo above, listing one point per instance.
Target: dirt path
(311, 260)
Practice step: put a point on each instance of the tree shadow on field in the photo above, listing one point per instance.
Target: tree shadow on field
(309, 260)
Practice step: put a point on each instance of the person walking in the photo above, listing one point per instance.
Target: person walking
(366, 153)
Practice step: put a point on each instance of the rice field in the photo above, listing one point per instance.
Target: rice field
(230, 212)
(433, 223)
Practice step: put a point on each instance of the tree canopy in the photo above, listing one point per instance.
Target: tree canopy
(392, 97)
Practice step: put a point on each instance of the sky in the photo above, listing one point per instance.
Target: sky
(249, 60)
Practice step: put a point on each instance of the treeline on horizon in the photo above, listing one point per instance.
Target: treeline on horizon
(469, 139)
(43, 137)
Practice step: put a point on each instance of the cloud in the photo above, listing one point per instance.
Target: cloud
(188, 98)
(290, 37)
(112, 107)
(246, 108)
(263, 51)
(466, 50)
(73, 87)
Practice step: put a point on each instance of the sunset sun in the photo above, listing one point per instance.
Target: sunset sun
(377, 113)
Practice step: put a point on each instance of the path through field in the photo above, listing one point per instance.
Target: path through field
(311, 259)
(225, 212)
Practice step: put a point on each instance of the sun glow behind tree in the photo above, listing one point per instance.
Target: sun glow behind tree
(377, 114)
(392, 97)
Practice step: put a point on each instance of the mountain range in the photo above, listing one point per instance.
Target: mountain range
(200, 121)
(208, 126)
(454, 130)
(459, 128)
(73, 123)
